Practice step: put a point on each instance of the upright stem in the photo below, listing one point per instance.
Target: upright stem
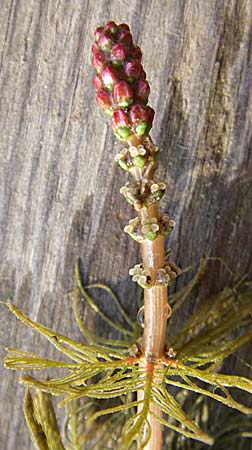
(154, 274)
(155, 317)
(155, 297)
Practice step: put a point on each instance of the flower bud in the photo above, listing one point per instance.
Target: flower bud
(124, 27)
(105, 42)
(98, 61)
(119, 52)
(137, 54)
(141, 118)
(111, 27)
(139, 161)
(103, 99)
(122, 94)
(151, 235)
(95, 48)
(133, 70)
(121, 124)
(142, 90)
(151, 114)
(98, 33)
(125, 37)
(138, 113)
(109, 77)
(97, 82)
(123, 164)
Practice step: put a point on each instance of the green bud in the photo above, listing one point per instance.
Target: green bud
(109, 112)
(122, 163)
(151, 235)
(158, 194)
(135, 237)
(123, 132)
(117, 63)
(141, 128)
(139, 161)
(142, 284)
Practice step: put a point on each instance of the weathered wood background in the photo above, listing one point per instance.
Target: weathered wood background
(59, 185)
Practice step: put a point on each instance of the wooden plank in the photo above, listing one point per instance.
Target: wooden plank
(59, 186)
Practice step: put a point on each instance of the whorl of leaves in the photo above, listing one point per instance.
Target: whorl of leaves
(100, 380)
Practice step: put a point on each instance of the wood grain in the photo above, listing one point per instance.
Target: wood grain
(59, 197)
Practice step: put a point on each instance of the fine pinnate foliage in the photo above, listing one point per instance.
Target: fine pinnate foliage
(230, 429)
(40, 417)
(100, 371)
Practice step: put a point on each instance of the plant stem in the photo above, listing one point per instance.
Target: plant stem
(156, 312)
(155, 297)
(156, 308)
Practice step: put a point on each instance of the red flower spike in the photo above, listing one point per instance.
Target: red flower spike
(103, 99)
(119, 52)
(142, 90)
(121, 82)
(98, 61)
(121, 124)
(133, 70)
(105, 42)
(98, 33)
(97, 81)
(111, 27)
(122, 94)
(109, 77)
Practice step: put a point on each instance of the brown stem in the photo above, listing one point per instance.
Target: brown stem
(155, 297)
(156, 310)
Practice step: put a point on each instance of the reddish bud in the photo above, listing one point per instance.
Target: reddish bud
(103, 99)
(137, 54)
(133, 70)
(109, 76)
(97, 81)
(119, 52)
(120, 119)
(124, 27)
(139, 116)
(98, 60)
(111, 27)
(143, 75)
(138, 112)
(122, 94)
(125, 37)
(105, 42)
(98, 33)
(151, 114)
(142, 90)
(121, 124)
(95, 48)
